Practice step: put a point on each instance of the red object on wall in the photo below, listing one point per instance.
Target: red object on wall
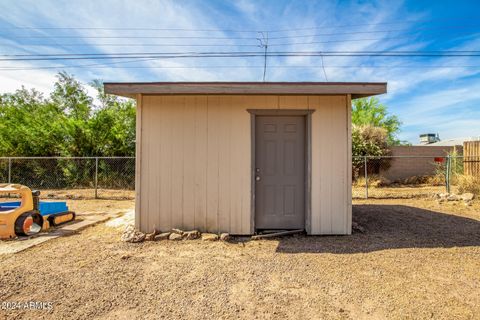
(439, 159)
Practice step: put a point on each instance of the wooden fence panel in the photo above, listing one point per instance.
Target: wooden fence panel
(471, 160)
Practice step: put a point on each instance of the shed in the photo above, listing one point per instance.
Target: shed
(239, 157)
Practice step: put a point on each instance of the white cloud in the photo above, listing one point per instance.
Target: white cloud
(38, 79)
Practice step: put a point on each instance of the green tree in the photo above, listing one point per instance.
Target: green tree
(30, 125)
(70, 96)
(114, 124)
(67, 123)
(370, 112)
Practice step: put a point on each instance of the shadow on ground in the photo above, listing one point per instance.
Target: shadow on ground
(391, 227)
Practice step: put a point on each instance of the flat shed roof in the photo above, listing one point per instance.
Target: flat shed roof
(356, 89)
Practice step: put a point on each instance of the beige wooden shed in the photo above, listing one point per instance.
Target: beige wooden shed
(240, 157)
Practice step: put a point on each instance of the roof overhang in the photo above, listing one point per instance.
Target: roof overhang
(356, 89)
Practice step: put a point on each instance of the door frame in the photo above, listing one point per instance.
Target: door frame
(307, 114)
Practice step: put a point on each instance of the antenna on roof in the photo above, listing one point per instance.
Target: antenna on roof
(264, 44)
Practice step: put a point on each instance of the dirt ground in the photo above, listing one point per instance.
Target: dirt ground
(416, 259)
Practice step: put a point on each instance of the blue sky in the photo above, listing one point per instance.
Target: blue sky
(429, 94)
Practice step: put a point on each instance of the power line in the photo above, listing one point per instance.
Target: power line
(109, 65)
(240, 54)
(404, 52)
(229, 45)
(235, 38)
(129, 37)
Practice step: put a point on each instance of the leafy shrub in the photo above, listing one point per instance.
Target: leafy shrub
(369, 141)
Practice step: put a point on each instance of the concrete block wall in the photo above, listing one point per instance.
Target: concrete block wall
(415, 161)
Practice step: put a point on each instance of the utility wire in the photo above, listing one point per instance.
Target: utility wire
(115, 65)
(172, 55)
(227, 45)
(236, 38)
(237, 45)
(403, 52)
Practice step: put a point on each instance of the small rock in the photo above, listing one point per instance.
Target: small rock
(162, 236)
(191, 235)
(51, 195)
(224, 237)
(467, 196)
(178, 231)
(125, 257)
(175, 236)
(453, 197)
(358, 228)
(209, 237)
(132, 235)
(443, 195)
(151, 236)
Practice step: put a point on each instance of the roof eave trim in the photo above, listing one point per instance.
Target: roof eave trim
(357, 90)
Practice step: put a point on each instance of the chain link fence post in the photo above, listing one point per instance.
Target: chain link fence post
(9, 170)
(96, 177)
(366, 177)
(448, 174)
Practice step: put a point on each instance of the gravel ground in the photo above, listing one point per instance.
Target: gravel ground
(412, 261)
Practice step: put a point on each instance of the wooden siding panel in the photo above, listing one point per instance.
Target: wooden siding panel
(339, 166)
(236, 158)
(314, 103)
(177, 121)
(326, 127)
(349, 164)
(138, 160)
(188, 164)
(329, 165)
(147, 150)
(213, 147)
(224, 170)
(165, 166)
(293, 102)
(200, 162)
(245, 148)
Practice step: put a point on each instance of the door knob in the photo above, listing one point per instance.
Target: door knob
(257, 178)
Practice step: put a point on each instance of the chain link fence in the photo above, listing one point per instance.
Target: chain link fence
(398, 177)
(393, 177)
(72, 177)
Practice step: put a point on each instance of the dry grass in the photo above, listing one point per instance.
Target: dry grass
(417, 259)
(400, 192)
(374, 181)
(468, 184)
(431, 180)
